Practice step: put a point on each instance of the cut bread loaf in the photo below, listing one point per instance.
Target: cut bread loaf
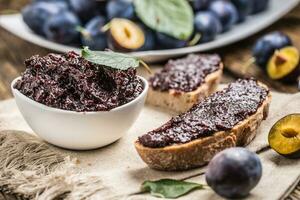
(200, 151)
(181, 101)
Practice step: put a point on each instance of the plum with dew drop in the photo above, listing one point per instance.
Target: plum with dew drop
(234, 172)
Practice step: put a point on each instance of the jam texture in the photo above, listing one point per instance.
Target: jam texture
(70, 82)
(185, 74)
(218, 112)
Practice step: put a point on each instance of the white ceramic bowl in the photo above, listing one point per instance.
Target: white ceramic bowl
(79, 130)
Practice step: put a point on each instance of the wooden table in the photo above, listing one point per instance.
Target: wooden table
(13, 52)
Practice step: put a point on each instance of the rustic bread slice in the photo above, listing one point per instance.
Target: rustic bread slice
(181, 101)
(199, 152)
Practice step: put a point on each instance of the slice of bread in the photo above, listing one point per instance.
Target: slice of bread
(183, 101)
(199, 152)
(177, 99)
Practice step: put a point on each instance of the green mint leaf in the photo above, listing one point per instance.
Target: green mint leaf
(110, 59)
(172, 17)
(169, 188)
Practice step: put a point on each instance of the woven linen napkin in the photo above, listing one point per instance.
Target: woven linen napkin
(32, 168)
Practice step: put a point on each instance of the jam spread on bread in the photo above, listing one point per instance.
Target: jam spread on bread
(219, 112)
(185, 74)
(70, 82)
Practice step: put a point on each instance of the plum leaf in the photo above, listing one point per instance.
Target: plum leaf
(169, 188)
(112, 59)
(172, 17)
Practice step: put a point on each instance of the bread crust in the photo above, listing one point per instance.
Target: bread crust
(182, 101)
(200, 151)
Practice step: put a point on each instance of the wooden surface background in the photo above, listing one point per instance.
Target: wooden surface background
(13, 52)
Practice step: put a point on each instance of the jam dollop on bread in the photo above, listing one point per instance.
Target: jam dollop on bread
(219, 112)
(69, 82)
(185, 74)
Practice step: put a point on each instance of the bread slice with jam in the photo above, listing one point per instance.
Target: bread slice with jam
(227, 118)
(185, 81)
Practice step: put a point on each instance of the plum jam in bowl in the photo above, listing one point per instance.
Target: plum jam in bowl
(79, 130)
(107, 105)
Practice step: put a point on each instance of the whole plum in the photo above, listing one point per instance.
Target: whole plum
(244, 8)
(234, 172)
(167, 42)
(101, 6)
(149, 43)
(92, 35)
(266, 45)
(259, 6)
(62, 28)
(208, 25)
(120, 9)
(84, 9)
(36, 14)
(226, 12)
(200, 4)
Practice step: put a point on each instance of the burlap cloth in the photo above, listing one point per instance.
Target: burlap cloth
(116, 171)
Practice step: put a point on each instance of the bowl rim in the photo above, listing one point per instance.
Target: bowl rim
(52, 109)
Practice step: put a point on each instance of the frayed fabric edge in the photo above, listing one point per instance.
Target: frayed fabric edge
(31, 169)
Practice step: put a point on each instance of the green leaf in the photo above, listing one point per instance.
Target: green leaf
(113, 60)
(169, 188)
(172, 17)
(110, 59)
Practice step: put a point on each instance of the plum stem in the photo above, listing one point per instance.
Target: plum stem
(83, 32)
(106, 27)
(195, 39)
(247, 64)
(146, 66)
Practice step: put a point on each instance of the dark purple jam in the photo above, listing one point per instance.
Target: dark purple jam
(185, 74)
(70, 82)
(218, 112)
